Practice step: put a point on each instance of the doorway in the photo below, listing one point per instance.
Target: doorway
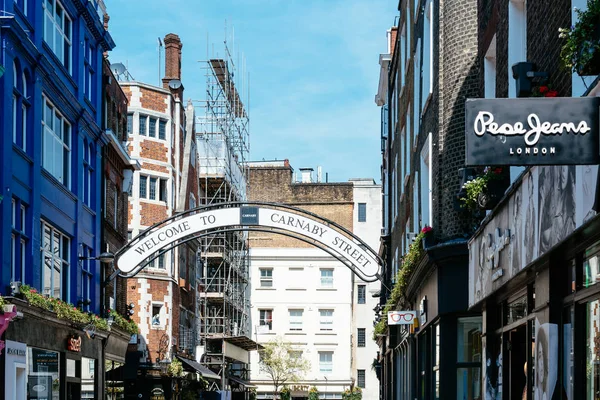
(516, 344)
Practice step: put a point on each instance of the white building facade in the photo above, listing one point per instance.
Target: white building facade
(313, 301)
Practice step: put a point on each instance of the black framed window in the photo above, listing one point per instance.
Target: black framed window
(360, 378)
(361, 292)
(361, 335)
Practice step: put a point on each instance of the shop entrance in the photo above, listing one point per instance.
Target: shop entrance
(516, 344)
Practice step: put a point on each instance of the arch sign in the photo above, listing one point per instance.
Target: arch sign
(266, 217)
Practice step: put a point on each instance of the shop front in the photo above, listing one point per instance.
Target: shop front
(49, 358)
(533, 262)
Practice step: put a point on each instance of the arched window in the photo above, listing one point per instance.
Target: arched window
(20, 106)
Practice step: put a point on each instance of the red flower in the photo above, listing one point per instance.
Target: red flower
(543, 89)
(551, 93)
(426, 229)
(498, 171)
(33, 291)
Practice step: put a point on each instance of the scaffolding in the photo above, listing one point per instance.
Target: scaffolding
(222, 137)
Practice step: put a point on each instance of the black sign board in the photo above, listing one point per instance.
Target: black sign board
(249, 215)
(532, 131)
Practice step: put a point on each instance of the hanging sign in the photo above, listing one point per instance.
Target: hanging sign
(532, 131)
(74, 343)
(401, 317)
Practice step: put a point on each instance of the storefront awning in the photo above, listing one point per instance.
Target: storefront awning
(241, 382)
(197, 367)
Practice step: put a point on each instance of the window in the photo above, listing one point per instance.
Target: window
(88, 64)
(88, 173)
(360, 378)
(427, 53)
(425, 176)
(362, 289)
(22, 4)
(116, 207)
(55, 262)
(86, 277)
(326, 320)
(151, 187)
(469, 353)
(19, 240)
(266, 318)
(517, 39)
(44, 372)
(326, 362)
(88, 369)
(416, 91)
(162, 129)
(129, 124)
(57, 31)
(296, 320)
(158, 262)
(266, 277)
(152, 127)
(489, 70)
(361, 337)
(192, 200)
(56, 144)
(20, 110)
(362, 212)
(326, 278)
(156, 317)
(143, 123)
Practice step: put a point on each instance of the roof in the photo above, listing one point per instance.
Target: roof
(240, 381)
(244, 342)
(201, 369)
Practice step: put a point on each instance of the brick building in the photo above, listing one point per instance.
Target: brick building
(304, 294)
(160, 136)
(446, 52)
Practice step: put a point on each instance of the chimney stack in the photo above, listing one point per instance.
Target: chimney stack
(173, 47)
(306, 175)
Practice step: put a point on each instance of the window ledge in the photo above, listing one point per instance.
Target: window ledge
(295, 288)
(266, 288)
(157, 328)
(295, 333)
(327, 289)
(22, 153)
(326, 333)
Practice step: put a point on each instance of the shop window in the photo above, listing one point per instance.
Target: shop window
(591, 267)
(568, 357)
(469, 339)
(516, 310)
(43, 381)
(469, 352)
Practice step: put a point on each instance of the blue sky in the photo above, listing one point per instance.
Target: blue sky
(313, 68)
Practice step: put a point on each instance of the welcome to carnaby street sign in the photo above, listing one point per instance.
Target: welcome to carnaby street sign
(363, 260)
(532, 131)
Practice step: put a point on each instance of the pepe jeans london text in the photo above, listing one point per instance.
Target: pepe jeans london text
(484, 123)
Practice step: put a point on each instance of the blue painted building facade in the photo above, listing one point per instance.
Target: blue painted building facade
(51, 103)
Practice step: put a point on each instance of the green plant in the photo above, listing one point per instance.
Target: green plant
(285, 393)
(478, 185)
(313, 393)
(2, 303)
(252, 394)
(409, 263)
(175, 369)
(128, 326)
(354, 393)
(580, 44)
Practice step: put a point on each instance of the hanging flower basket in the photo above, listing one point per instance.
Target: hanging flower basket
(581, 49)
(428, 239)
(485, 191)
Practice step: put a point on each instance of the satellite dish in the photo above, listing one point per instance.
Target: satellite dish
(174, 84)
(118, 68)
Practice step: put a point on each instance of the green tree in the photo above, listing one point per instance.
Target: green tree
(282, 363)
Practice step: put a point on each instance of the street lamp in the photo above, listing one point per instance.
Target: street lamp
(104, 258)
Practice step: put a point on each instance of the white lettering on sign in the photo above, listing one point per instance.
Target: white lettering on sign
(484, 123)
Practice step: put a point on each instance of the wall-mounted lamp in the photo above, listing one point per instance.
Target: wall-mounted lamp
(523, 73)
(15, 288)
(104, 258)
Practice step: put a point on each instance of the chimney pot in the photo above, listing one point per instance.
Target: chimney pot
(173, 47)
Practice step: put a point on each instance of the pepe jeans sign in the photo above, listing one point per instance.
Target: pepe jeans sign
(532, 131)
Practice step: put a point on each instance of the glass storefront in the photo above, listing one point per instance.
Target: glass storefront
(469, 353)
(43, 380)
